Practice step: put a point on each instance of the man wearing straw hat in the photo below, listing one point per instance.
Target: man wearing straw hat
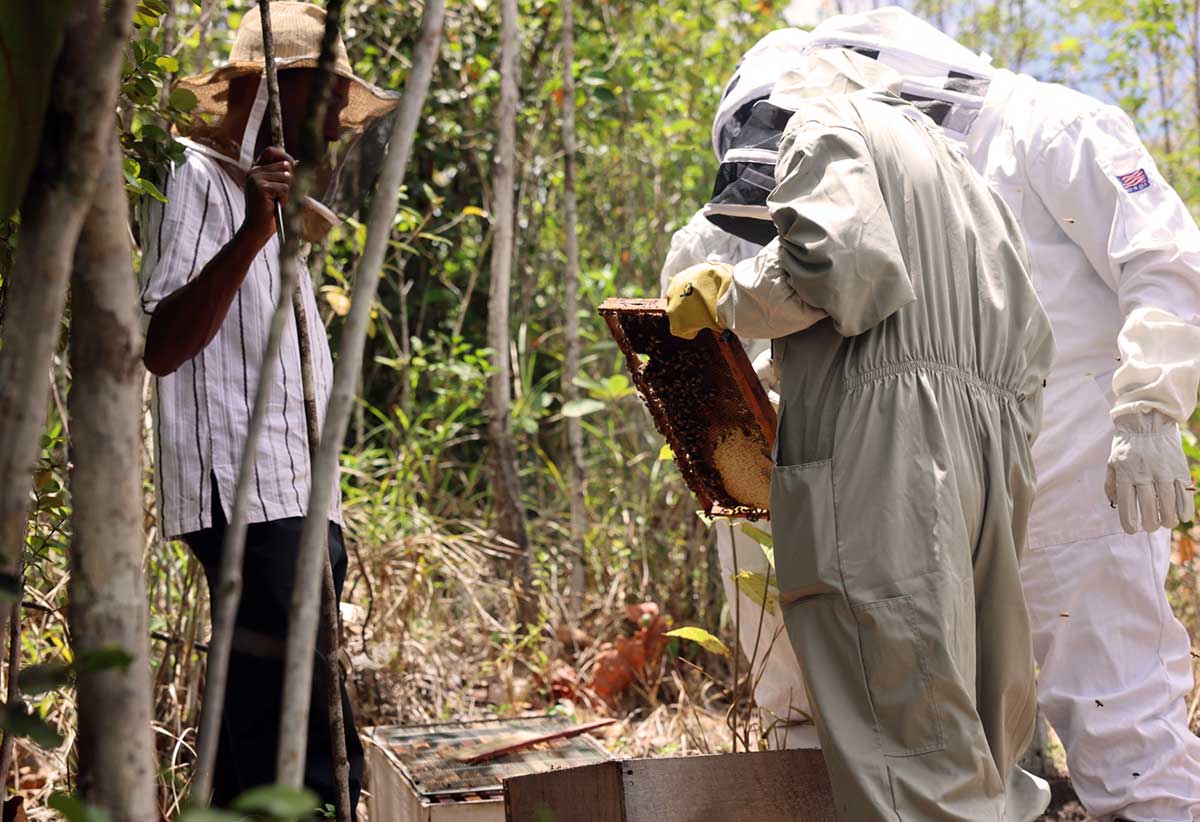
(210, 282)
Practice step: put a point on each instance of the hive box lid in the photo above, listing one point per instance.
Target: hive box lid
(706, 400)
(427, 754)
(768, 786)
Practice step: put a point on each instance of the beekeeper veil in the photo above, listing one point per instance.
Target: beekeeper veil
(748, 130)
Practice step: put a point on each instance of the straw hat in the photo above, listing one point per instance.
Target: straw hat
(297, 29)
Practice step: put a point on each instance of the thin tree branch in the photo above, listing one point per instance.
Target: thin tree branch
(14, 690)
(506, 484)
(302, 622)
(570, 390)
(228, 594)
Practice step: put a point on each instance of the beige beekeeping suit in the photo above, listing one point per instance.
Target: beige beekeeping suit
(903, 476)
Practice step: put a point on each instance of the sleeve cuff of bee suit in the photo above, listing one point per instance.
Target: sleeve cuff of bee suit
(1160, 370)
(761, 304)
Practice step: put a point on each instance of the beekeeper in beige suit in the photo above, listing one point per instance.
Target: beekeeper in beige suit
(912, 351)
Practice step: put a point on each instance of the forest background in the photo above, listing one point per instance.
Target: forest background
(432, 623)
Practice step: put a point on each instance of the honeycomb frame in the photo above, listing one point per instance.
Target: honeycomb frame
(694, 389)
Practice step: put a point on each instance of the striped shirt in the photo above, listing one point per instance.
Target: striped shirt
(202, 410)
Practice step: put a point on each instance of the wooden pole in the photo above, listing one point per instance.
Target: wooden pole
(233, 550)
(302, 621)
(330, 621)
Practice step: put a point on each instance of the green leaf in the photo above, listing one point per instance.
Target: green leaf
(107, 658)
(581, 408)
(145, 17)
(182, 100)
(76, 810)
(617, 386)
(209, 815)
(18, 721)
(167, 63)
(754, 586)
(49, 676)
(702, 638)
(149, 131)
(277, 801)
(764, 540)
(150, 188)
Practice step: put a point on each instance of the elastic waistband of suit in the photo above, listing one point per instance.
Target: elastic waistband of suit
(885, 372)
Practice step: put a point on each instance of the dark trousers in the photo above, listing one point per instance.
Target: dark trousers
(253, 704)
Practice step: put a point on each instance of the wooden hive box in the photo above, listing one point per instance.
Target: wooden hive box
(414, 776)
(706, 400)
(769, 786)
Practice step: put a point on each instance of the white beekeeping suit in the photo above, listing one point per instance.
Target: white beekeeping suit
(779, 692)
(1115, 258)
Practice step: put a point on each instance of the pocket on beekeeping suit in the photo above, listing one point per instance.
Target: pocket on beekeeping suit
(804, 525)
(898, 672)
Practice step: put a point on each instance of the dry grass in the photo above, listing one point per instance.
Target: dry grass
(431, 638)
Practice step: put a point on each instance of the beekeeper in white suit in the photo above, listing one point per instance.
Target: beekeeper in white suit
(1115, 258)
(912, 351)
(779, 691)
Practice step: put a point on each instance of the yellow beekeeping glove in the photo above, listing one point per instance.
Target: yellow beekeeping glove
(692, 298)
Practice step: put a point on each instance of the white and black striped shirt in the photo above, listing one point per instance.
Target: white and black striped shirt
(202, 411)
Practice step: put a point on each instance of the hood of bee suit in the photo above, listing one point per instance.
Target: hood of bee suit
(747, 171)
(760, 67)
(942, 78)
(899, 39)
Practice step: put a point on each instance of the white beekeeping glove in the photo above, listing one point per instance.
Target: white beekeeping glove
(764, 369)
(1156, 390)
(1148, 473)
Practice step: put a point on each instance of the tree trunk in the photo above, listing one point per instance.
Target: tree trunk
(578, 554)
(506, 482)
(107, 590)
(302, 620)
(75, 140)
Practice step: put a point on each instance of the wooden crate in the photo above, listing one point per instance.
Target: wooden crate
(771, 786)
(413, 776)
(706, 401)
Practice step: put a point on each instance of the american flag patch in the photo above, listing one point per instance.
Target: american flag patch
(1134, 180)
